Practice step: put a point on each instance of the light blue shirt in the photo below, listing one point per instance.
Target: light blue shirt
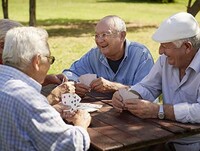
(184, 95)
(28, 122)
(135, 65)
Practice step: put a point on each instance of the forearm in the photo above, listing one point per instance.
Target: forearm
(169, 112)
(116, 86)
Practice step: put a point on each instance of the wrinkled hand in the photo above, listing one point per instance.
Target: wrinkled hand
(82, 89)
(54, 79)
(67, 87)
(81, 118)
(63, 110)
(55, 96)
(117, 102)
(142, 108)
(102, 85)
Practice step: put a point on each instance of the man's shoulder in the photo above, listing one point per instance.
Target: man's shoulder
(93, 52)
(135, 47)
(133, 44)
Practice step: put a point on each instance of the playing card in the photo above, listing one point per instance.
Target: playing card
(71, 100)
(89, 107)
(87, 78)
(125, 94)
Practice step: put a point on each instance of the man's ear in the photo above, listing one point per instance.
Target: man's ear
(36, 62)
(123, 35)
(188, 46)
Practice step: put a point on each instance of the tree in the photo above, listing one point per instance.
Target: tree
(32, 13)
(195, 8)
(5, 8)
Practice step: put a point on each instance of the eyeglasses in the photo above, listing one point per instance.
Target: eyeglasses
(51, 59)
(103, 35)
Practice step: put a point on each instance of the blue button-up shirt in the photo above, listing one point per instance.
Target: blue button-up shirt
(28, 122)
(184, 95)
(135, 65)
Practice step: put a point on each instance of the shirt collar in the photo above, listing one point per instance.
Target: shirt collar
(195, 64)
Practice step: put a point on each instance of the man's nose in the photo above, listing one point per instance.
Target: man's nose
(161, 50)
(99, 39)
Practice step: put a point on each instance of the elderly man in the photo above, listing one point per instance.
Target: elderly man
(175, 75)
(116, 61)
(53, 85)
(28, 122)
(7, 24)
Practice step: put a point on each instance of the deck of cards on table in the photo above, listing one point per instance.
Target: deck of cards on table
(126, 94)
(87, 78)
(73, 101)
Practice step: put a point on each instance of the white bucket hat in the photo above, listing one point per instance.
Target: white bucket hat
(179, 26)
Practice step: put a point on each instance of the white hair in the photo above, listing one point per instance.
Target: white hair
(22, 44)
(117, 22)
(5, 25)
(195, 40)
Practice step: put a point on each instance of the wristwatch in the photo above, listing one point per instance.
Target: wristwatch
(161, 114)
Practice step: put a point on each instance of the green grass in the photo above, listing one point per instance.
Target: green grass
(70, 23)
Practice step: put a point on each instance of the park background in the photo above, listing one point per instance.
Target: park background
(70, 23)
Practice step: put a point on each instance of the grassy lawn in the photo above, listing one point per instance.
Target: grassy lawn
(70, 23)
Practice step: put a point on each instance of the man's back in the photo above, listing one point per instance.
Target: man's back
(28, 122)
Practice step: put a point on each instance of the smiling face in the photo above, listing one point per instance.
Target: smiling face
(109, 40)
(178, 57)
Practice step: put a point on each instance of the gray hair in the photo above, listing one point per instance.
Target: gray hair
(117, 22)
(5, 25)
(195, 40)
(22, 44)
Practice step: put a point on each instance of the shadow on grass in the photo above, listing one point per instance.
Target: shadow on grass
(77, 28)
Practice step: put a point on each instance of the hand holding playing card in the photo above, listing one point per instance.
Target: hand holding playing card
(125, 94)
(119, 97)
(104, 86)
(82, 89)
(61, 108)
(55, 96)
(71, 100)
(87, 78)
(81, 118)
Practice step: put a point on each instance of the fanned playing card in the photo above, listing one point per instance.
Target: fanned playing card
(87, 78)
(71, 100)
(125, 94)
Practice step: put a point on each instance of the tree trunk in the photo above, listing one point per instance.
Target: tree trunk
(195, 8)
(32, 13)
(5, 8)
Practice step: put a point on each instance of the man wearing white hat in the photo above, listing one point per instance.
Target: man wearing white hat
(175, 75)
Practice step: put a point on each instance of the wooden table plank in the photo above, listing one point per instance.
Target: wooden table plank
(102, 142)
(167, 125)
(129, 131)
(111, 130)
(176, 127)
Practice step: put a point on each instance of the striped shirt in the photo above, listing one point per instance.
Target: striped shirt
(28, 122)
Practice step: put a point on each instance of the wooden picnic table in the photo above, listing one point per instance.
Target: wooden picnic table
(111, 130)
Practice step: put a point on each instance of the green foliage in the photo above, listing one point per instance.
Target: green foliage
(70, 23)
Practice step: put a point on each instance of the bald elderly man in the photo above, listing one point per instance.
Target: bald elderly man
(115, 60)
